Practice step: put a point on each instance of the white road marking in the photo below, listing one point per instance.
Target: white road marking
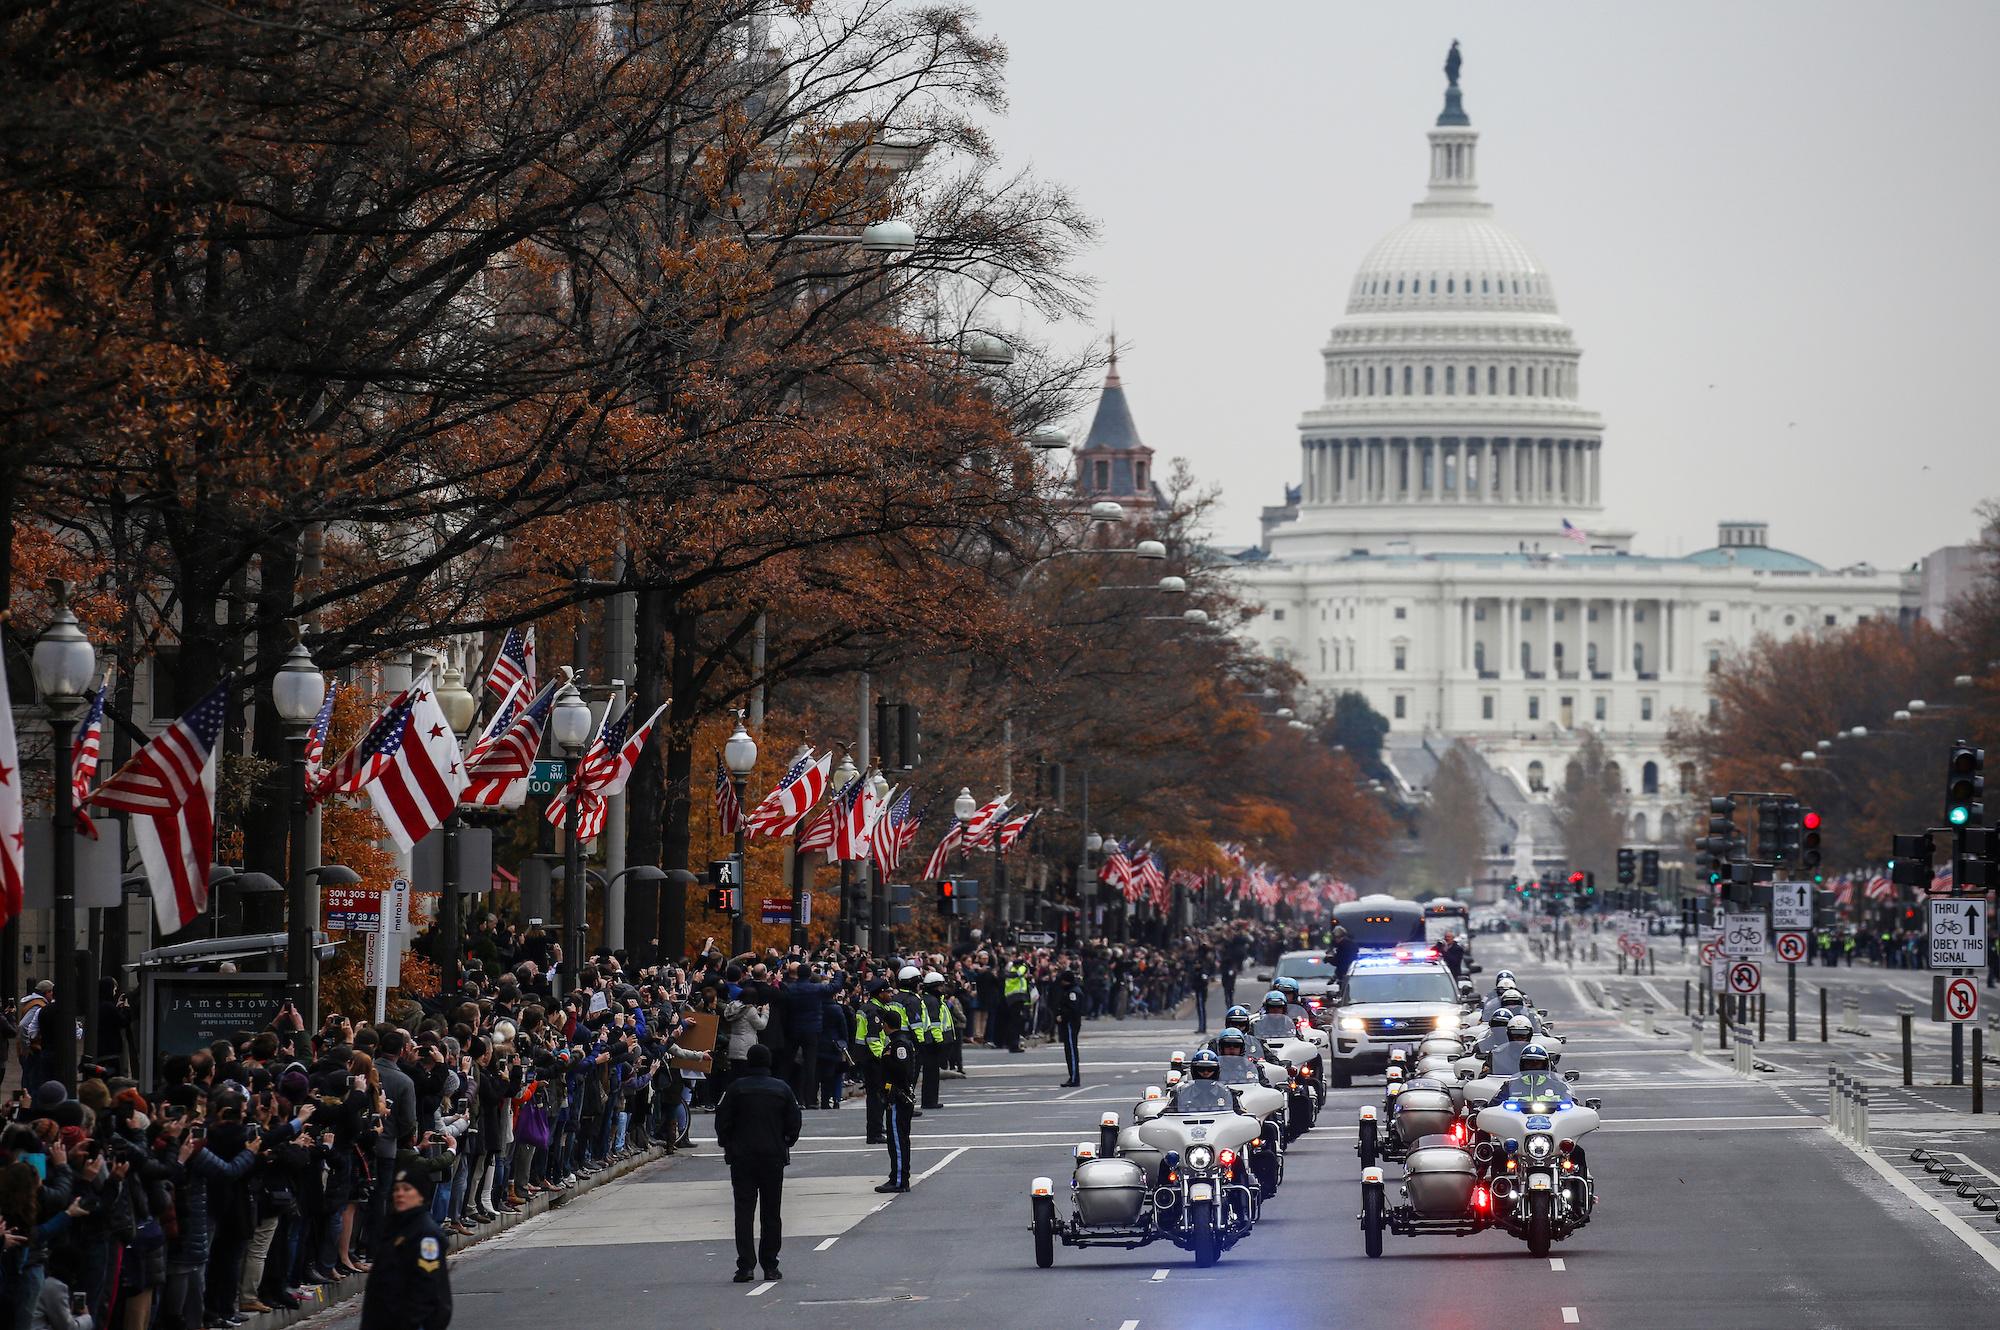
(1128, 1325)
(1159, 1275)
(1556, 1264)
(939, 1164)
(1959, 1229)
(1570, 1317)
(762, 1288)
(1079, 1090)
(828, 1243)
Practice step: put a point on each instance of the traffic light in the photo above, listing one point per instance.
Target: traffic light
(1721, 838)
(1649, 868)
(1771, 829)
(1910, 864)
(910, 739)
(1965, 785)
(1978, 868)
(724, 900)
(1626, 869)
(1808, 844)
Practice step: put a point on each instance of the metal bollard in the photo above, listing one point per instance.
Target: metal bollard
(1850, 1013)
(1652, 962)
(1861, 1114)
(1978, 1070)
(1904, 1013)
(1687, 997)
(1833, 1098)
(1650, 1031)
(1762, 1003)
(1621, 962)
(1822, 1014)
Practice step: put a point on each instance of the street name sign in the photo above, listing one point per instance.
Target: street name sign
(1791, 907)
(546, 777)
(1744, 936)
(1958, 933)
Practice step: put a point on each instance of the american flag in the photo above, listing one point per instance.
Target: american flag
(886, 837)
(316, 737)
(169, 788)
(906, 831)
(501, 758)
(979, 829)
(780, 811)
(419, 772)
(1843, 893)
(1117, 870)
(1881, 889)
(13, 833)
(1146, 868)
(515, 663)
(1011, 829)
(850, 833)
(83, 759)
(605, 768)
(1941, 880)
(1575, 533)
(953, 838)
(728, 809)
(363, 762)
(818, 832)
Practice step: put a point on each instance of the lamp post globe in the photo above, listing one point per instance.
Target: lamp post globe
(964, 806)
(64, 661)
(880, 786)
(298, 687)
(1150, 549)
(891, 236)
(1173, 586)
(569, 720)
(1196, 617)
(845, 774)
(739, 754)
(456, 700)
(1093, 842)
(1104, 510)
(1048, 440)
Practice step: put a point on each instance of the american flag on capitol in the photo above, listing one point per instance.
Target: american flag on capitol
(953, 838)
(780, 811)
(83, 758)
(1575, 533)
(515, 664)
(169, 789)
(728, 809)
(13, 835)
(419, 772)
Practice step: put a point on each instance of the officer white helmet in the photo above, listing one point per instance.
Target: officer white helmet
(1519, 1029)
(907, 973)
(1535, 1057)
(933, 978)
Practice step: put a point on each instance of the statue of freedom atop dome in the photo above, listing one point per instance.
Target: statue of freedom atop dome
(1452, 64)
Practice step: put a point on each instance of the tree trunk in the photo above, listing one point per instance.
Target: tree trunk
(266, 829)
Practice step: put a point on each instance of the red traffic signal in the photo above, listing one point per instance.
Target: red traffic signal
(1810, 820)
(1576, 879)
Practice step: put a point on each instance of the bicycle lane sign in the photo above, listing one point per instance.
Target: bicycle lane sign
(1744, 936)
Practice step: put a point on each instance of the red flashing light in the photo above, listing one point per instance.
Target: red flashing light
(1228, 1158)
(1810, 821)
(1575, 878)
(1480, 1200)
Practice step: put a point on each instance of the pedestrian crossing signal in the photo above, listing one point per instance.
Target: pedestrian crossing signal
(724, 900)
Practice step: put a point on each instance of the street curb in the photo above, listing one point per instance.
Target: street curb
(329, 1296)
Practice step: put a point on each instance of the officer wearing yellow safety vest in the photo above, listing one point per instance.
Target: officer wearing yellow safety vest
(871, 1044)
(916, 1019)
(1014, 1002)
(939, 1032)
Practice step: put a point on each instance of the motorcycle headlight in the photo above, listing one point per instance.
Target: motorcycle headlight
(1202, 1157)
(1540, 1148)
(1353, 1024)
(1448, 1022)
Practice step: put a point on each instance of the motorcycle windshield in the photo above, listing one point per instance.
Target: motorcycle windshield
(1273, 1026)
(1204, 1097)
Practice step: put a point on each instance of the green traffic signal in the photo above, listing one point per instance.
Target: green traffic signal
(1958, 815)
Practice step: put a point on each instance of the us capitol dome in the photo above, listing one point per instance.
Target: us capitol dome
(1444, 552)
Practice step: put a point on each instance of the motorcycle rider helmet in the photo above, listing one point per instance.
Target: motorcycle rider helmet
(1504, 979)
(1535, 1057)
(1274, 1001)
(1289, 987)
(1205, 1065)
(1519, 1029)
(933, 978)
(1498, 1020)
(1178, 1060)
(1237, 1018)
(908, 973)
(1233, 1044)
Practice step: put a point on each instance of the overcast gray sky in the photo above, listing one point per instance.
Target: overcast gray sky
(1792, 202)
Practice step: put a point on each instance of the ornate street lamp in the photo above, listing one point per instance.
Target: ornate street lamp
(297, 690)
(63, 665)
(569, 724)
(740, 756)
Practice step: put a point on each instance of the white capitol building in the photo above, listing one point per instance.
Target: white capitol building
(1421, 559)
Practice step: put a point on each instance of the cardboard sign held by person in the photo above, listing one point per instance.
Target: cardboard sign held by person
(698, 1038)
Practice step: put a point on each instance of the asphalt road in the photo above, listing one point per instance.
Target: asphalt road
(1723, 1202)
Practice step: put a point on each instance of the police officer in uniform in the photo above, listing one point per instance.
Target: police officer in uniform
(940, 1033)
(1066, 1003)
(916, 1018)
(1014, 1001)
(408, 1286)
(896, 1076)
(871, 1041)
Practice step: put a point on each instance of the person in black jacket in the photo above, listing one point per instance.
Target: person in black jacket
(757, 1123)
(409, 1287)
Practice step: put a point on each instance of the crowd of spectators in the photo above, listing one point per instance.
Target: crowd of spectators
(240, 1177)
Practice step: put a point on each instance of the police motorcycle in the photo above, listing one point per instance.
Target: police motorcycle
(1305, 1067)
(1528, 1146)
(1502, 1062)
(1315, 1022)
(1520, 1170)
(1180, 1173)
(1265, 1092)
